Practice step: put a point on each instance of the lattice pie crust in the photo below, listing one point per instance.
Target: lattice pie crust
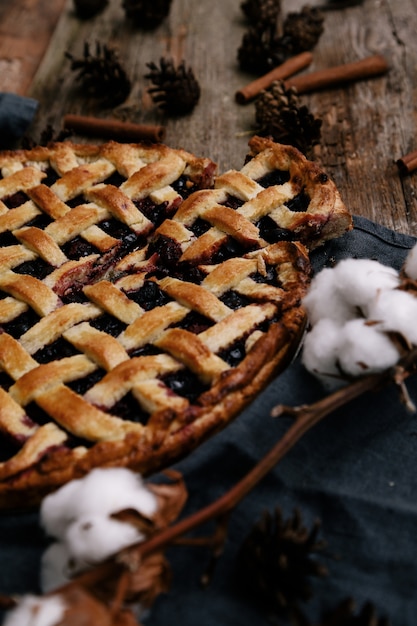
(144, 302)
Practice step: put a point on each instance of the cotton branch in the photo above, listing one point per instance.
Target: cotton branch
(305, 417)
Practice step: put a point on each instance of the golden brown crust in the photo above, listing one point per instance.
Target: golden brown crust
(153, 319)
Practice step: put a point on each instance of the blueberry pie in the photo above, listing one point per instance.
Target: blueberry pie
(143, 300)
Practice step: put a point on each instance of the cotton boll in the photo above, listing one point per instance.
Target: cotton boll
(365, 350)
(34, 611)
(103, 490)
(58, 566)
(57, 509)
(320, 352)
(360, 280)
(410, 264)
(93, 538)
(323, 299)
(108, 490)
(396, 311)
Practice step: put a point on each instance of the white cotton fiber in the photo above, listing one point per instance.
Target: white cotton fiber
(93, 538)
(360, 280)
(365, 350)
(396, 311)
(323, 299)
(57, 567)
(79, 515)
(57, 509)
(35, 611)
(410, 265)
(321, 349)
(103, 490)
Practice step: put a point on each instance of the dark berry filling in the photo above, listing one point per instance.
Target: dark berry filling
(128, 408)
(5, 380)
(156, 213)
(168, 250)
(82, 385)
(235, 300)
(233, 203)
(148, 350)
(74, 202)
(7, 239)
(115, 179)
(36, 414)
(21, 324)
(271, 232)
(7, 450)
(185, 384)
(195, 322)
(276, 177)
(234, 354)
(269, 278)
(51, 177)
(227, 250)
(108, 324)
(200, 227)
(38, 268)
(40, 221)
(184, 186)
(58, 349)
(15, 199)
(298, 204)
(149, 296)
(77, 248)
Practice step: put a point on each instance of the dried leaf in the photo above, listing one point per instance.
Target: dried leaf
(149, 576)
(84, 609)
(171, 498)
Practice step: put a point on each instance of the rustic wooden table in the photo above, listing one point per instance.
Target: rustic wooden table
(367, 125)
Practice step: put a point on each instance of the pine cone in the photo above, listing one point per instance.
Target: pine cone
(262, 11)
(147, 14)
(279, 115)
(101, 75)
(304, 29)
(262, 50)
(176, 89)
(274, 562)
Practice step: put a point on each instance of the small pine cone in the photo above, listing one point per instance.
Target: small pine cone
(274, 562)
(304, 28)
(279, 115)
(176, 90)
(261, 50)
(147, 14)
(101, 75)
(262, 11)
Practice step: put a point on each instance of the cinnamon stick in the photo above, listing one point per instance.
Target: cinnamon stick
(113, 129)
(286, 69)
(369, 67)
(408, 163)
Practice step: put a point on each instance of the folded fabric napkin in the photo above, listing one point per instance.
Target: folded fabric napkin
(16, 114)
(356, 471)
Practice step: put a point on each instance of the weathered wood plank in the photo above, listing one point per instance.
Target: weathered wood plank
(26, 28)
(366, 126)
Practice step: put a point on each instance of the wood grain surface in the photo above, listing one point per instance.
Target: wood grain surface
(367, 125)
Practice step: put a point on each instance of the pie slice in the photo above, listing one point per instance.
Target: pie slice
(144, 302)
